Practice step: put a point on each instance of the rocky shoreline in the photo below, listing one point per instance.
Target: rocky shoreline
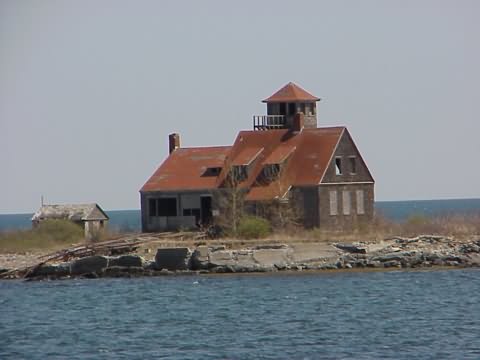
(424, 251)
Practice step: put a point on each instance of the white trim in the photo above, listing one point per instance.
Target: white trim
(254, 157)
(349, 183)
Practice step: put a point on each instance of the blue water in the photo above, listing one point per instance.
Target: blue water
(373, 315)
(129, 220)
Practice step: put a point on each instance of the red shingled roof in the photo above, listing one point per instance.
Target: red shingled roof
(185, 169)
(291, 93)
(304, 158)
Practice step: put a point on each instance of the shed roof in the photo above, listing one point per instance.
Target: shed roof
(291, 93)
(73, 212)
(185, 169)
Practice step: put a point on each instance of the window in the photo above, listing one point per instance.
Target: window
(353, 165)
(333, 203)
(270, 109)
(346, 202)
(152, 207)
(338, 166)
(360, 203)
(163, 207)
(212, 171)
(302, 108)
(292, 109)
(271, 171)
(312, 107)
(239, 173)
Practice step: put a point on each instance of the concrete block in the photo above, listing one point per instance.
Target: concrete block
(173, 258)
(87, 265)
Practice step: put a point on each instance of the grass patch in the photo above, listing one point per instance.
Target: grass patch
(49, 234)
(251, 227)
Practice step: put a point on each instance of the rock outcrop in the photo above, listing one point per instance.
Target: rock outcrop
(421, 251)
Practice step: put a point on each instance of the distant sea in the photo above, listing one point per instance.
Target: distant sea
(129, 220)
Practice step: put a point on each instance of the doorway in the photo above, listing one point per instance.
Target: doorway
(206, 210)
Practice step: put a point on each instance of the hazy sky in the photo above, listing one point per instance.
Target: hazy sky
(90, 90)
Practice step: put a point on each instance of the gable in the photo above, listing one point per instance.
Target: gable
(347, 153)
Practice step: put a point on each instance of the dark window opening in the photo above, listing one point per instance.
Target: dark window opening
(212, 171)
(270, 109)
(353, 165)
(152, 206)
(271, 171)
(163, 207)
(167, 207)
(239, 173)
(206, 207)
(338, 166)
(313, 109)
(283, 109)
(292, 108)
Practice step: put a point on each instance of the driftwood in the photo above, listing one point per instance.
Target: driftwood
(116, 246)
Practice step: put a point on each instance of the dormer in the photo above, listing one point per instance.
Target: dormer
(282, 107)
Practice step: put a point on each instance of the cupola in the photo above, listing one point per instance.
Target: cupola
(284, 105)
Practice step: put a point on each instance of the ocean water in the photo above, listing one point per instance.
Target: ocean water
(363, 315)
(129, 220)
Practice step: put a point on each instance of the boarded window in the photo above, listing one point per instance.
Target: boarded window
(360, 202)
(333, 203)
(338, 166)
(353, 165)
(346, 202)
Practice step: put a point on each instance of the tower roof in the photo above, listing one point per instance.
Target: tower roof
(291, 93)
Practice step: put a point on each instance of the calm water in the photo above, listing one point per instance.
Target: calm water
(390, 315)
(129, 220)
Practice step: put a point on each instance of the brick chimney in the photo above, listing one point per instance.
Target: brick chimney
(298, 122)
(173, 142)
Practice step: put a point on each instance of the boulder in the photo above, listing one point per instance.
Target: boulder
(127, 261)
(200, 258)
(87, 265)
(351, 248)
(392, 263)
(220, 258)
(271, 258)
(48, 270)
(173, 258)
(245, 262)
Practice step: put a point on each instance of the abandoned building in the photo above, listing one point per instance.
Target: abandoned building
(285, 158)
(90, 217)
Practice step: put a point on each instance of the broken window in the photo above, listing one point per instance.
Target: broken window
(212, 171)
(353, 164)
(271, 171)
(239, 173)
(360, 202)
(346, 202)
(338, 166)
(333, 203)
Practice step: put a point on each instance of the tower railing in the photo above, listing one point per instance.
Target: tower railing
(269, 122)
